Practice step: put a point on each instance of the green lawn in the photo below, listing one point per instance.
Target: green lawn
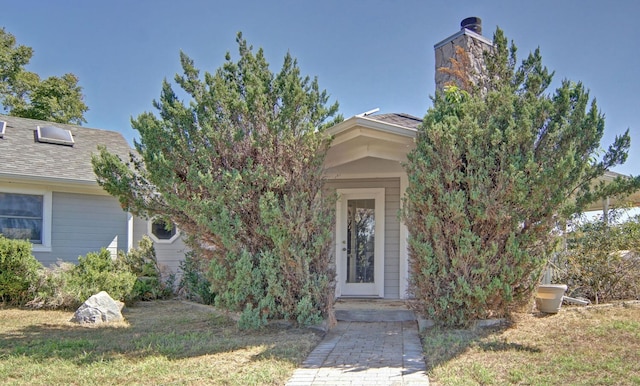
(596, 346)
(162, 342)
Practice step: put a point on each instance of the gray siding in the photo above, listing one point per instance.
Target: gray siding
(83, 223)
(169, 255)
(392, 226)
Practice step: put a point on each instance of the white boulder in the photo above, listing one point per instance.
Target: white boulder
(99, 308)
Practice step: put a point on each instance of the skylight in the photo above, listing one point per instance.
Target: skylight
(3, 124)
(53, 134)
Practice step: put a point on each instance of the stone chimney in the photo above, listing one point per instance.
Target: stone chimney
(460, 58)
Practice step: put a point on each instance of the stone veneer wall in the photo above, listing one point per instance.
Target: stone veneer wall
(473, 43)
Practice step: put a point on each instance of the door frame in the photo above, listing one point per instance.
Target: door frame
(375, 289)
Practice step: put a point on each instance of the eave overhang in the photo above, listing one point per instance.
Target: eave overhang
(362, 138)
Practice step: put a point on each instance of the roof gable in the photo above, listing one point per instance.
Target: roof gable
(23, 157)
(399, 119)
(378, 141)
(399, 124)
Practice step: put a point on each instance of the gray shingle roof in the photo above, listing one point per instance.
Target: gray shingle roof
(400, 119)
(22, 155)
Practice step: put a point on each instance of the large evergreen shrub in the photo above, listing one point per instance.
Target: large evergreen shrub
(239, 168)
(495, 168)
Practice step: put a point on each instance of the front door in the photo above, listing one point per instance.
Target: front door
(360, 242)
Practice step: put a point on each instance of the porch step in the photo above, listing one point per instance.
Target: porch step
(372, 310)
(375, 316)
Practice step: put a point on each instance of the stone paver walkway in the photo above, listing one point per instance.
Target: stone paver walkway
(365, 353)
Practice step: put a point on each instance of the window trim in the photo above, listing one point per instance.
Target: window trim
(156, 239)
(45, 246)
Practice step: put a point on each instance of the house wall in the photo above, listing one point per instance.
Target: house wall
(392, 226)
(169, 254)
(83, 223)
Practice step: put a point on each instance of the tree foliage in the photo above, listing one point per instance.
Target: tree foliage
(602, 260)
(24, 94)
(495, 168)
(239, 170)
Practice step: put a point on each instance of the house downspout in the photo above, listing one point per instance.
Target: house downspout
(129, 232)
(404, 248)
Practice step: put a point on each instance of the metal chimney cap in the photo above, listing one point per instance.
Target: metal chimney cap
(473, 24)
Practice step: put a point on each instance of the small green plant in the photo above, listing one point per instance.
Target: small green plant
(98, 271)
(18, 270)
(150, 283)
(194, 284)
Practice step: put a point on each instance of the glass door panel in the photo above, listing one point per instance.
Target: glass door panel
(360, 241)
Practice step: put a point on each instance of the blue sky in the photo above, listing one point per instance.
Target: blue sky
(366, 54)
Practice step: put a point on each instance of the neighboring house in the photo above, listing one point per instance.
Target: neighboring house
(49, 194)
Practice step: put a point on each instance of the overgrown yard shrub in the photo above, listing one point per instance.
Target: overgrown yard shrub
(151, 282)
(238, 166)
(194, 284)
(132, 276)
(50, 289)
(98, 271)
(602, 262)
(495, 168)
(18, 270)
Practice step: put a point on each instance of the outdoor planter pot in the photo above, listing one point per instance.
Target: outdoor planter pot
(549, 297)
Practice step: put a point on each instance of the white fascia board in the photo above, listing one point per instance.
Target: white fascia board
(371, 124)
(46, 180)
(611, 175)
(63, 183)
(352, 176)
(360, 132)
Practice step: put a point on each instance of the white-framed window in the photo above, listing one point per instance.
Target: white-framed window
(161, 232)
(25, 214)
